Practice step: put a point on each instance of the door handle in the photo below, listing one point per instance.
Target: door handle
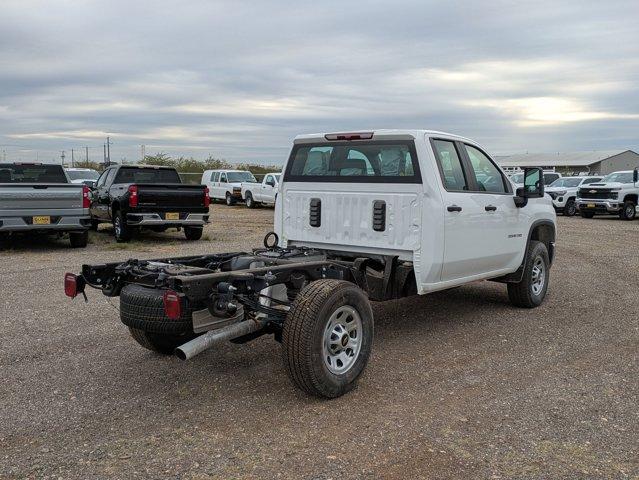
(454, 208)
(490, 208)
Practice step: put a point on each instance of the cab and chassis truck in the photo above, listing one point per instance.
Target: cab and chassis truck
(361, 217)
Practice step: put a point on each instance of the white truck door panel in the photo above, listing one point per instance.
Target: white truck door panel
(347, 217)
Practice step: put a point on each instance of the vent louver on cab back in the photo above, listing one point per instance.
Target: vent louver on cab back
(379, 215)
(315, 215)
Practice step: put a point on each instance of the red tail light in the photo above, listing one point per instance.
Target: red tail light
(70, 285)
(86, 201)
(349, 136)
(172, 305)
(133, 196)
(207, 197)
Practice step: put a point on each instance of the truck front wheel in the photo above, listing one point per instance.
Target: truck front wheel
(628, 211)
(229, 199)
(250, 203)
(327, 338)
(531, 290)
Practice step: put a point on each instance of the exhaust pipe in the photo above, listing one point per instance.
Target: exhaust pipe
(203, 342)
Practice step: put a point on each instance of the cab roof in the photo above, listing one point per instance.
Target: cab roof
(377, 134)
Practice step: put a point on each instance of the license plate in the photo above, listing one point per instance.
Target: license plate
(42, 220)
(172, 216)
(591, 205)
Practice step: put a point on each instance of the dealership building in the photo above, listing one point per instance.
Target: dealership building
(598, 162)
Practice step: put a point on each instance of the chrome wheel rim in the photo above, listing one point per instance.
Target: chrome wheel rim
(630, 210)
(538, 276)
(117, 227)
(342, 340)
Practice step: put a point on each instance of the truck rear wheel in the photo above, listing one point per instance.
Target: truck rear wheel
(79, 239)
(327, 338)
(531, 290)
(123, 233)
(193, 233)
(628, 211)
(160, 343)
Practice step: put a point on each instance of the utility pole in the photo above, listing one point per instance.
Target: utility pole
(62, 157)
(104, 154)
(143, 151)
(72, 159)
(86, 150)
(108, 145)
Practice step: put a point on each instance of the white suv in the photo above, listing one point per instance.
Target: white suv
(226, 184)
(563, 192)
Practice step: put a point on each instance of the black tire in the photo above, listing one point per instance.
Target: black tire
(628, 212)
(587, 214)
(522, 294)
(160, 343)
(304, 332)
(122, 232)
(142, 308)
(230, 201)
(94, 225)
(250, 203)
(193, 233)
(570, 210)
(79, 239)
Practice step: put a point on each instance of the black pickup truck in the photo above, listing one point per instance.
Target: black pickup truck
(139, 196)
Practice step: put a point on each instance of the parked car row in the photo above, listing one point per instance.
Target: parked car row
(232, 186)
(616, 193)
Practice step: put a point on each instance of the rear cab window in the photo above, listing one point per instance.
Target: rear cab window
(370, 161)
(28, 173)
(147, 175)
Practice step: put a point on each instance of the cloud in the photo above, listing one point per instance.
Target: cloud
(240, 79)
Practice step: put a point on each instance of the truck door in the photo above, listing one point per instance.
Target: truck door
(477, 207)
(102, 201)
(268, 190)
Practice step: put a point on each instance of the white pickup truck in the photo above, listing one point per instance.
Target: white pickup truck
(617, 193)
(361, 217)
(264, 193)
(563, 192)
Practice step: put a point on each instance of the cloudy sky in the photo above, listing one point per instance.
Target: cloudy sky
(238, 80)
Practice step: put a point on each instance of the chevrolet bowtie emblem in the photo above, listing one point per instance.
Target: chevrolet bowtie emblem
(592, 191)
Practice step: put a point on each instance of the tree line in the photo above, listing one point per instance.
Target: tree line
(191, 165)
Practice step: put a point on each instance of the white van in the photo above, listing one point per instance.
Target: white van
(226, 184)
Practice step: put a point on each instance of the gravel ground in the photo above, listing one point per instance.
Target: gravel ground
(460, 384)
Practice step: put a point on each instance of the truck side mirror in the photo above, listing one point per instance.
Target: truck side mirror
(533, 186)
(635, 175)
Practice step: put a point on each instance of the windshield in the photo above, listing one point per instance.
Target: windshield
(277, 176)
(519, 178)
(83, 174)
(619, 177)
(566, 182)
(10, 173)
(147, 175)
(238, 177)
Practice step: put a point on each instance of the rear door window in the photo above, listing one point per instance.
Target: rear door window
(367, 162)
(450, 166)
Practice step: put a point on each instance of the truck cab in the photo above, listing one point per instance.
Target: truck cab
(435, 200)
